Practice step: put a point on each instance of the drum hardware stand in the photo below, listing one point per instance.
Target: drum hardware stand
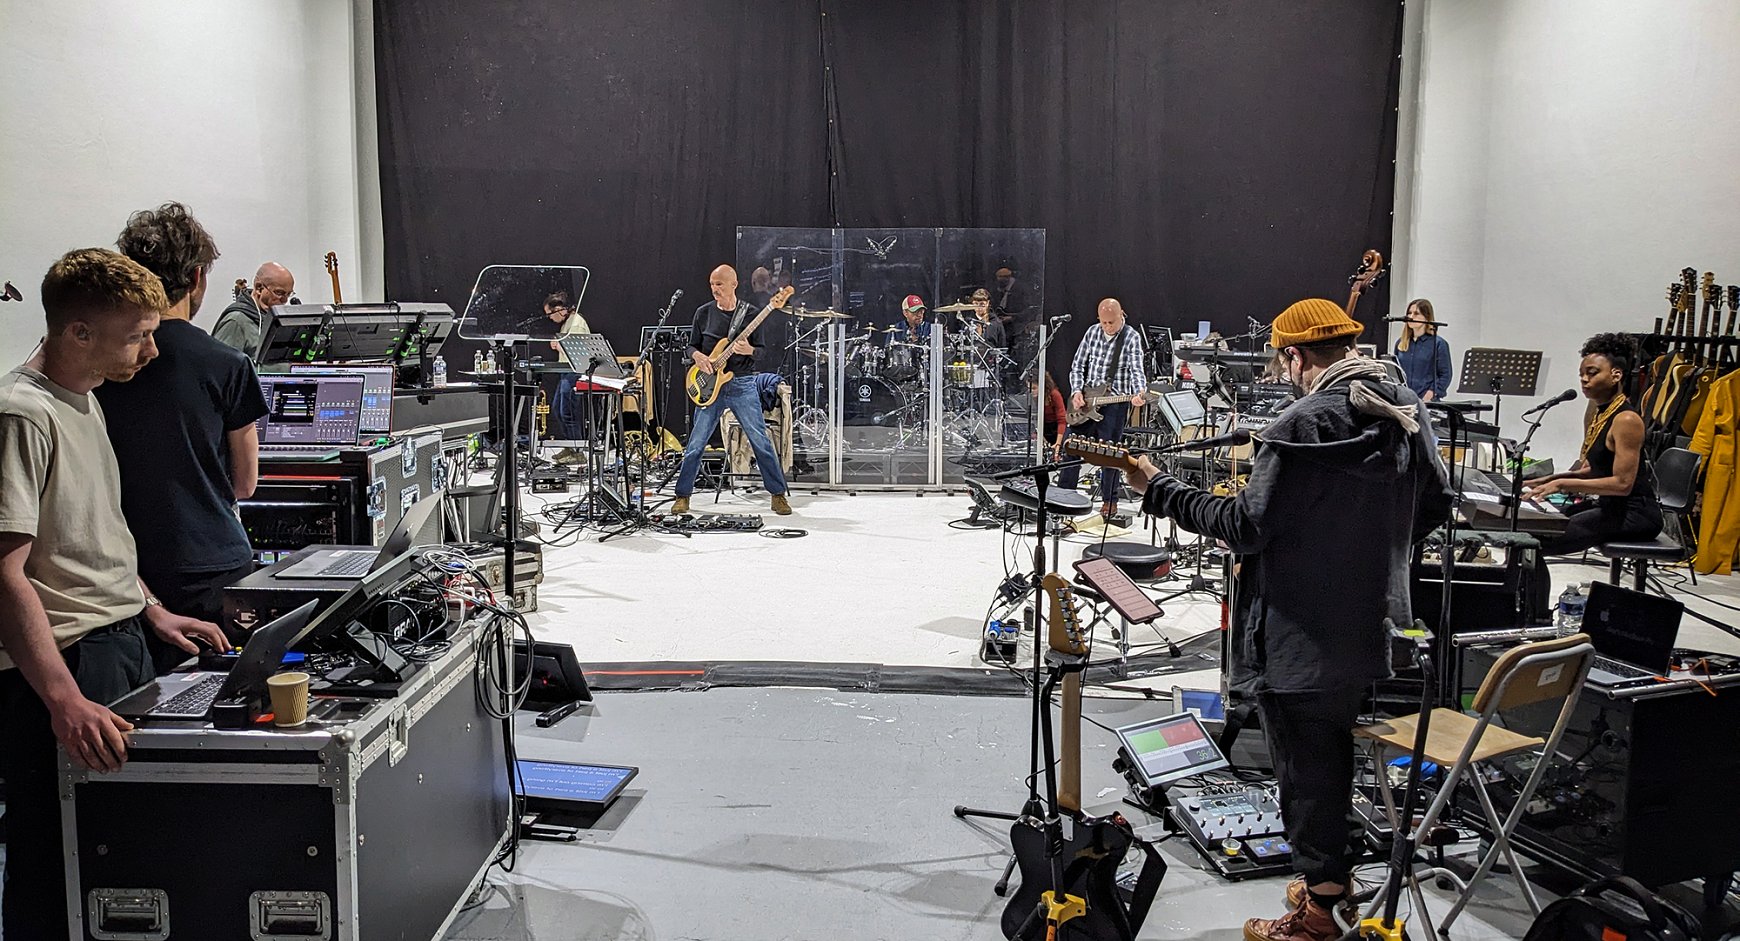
(1036, 807)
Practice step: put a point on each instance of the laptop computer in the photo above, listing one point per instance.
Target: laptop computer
(1633, 633)
(352, 562)
(309, 416)
(189, 696)
(377, 400)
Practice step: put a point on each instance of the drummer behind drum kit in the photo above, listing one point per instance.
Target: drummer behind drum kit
(886, 375)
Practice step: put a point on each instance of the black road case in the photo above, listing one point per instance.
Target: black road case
(373, 821)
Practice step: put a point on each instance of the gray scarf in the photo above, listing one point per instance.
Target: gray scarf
(1360, 395)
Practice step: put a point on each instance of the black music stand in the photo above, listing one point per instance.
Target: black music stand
(1498, 373)
(590, 355)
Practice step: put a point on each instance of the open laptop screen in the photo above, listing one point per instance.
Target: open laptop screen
(1633, 626)
(311, 410)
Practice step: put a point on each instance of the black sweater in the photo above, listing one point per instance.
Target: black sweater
(1335, 500)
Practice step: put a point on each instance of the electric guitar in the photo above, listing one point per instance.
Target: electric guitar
(332, 272)
(703, 387)
(1705, 375)
(1733, 312)
(1659, 368)
(1679, 373)
(1099, 453)
(1078, 899)
(1092, 398)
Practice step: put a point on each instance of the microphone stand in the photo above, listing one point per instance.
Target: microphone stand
(636, 516)
(1516, 476)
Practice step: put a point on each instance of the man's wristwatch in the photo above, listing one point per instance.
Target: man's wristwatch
(151, 601)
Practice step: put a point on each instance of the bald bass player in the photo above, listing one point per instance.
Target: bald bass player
(1107, 365)
(725, 316)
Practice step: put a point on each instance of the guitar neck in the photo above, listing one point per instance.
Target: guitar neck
(724, 351)
(1069, 745)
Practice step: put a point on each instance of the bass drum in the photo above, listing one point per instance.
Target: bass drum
(872, 401)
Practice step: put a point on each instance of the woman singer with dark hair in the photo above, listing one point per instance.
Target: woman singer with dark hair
(1609, 468)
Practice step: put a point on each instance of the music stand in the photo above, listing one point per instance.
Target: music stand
(1498, 373)
(590, 355)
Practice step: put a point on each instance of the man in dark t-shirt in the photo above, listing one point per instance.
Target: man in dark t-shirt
(726, 316)
(183, 432)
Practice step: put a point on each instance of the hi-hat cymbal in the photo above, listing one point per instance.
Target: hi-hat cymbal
(806, 312)
(953, 308)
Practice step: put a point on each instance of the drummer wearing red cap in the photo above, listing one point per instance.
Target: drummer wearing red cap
(916, 331)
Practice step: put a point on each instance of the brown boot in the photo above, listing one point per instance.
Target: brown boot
(781, 505)
(1307, 922)
(1347, 911)
(680, 507)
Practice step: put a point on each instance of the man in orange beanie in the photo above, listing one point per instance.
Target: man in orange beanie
(1345, 481)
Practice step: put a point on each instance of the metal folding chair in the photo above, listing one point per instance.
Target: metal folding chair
(1527, 674)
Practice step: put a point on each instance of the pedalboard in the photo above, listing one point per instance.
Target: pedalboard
(712, 523)
(1239, 832)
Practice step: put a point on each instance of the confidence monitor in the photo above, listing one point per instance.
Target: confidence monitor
(1166, 749)
(354, 333)
(1181, 409)
(514, 302)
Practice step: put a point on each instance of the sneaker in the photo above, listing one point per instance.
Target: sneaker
(680, 507)
(781, 505)
(1306, 922)
(1347, 911)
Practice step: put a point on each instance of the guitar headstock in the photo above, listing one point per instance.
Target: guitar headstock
(1099, 453)
(1066, 635)
(1689, 287)
(780, 297)
(1712, 291)
(331, 262)
(1733, 298)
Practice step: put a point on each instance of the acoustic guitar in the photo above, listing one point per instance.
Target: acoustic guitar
(703, 387)
(332, 272)
(1071, 893)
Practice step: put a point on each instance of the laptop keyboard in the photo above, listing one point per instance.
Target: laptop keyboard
(193, 702)
(354, 564)
(1624, 671)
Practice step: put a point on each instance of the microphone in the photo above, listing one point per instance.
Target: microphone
(1429, 323)
(1231, 439)
(1060, 319)
(10, 293)
(1562, 397)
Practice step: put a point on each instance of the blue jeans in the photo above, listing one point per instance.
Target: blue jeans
(740, 396)
(566, 409)
(1110, 427)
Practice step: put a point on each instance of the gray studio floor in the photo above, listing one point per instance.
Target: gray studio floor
(819, 814)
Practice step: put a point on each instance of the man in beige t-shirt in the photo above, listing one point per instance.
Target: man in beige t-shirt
(72, 610)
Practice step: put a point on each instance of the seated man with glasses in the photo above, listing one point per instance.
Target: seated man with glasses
(239, 324)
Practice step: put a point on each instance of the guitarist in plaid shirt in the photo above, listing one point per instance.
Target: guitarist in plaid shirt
(1110, 355)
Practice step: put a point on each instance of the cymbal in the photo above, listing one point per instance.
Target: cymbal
(806, 312)
(818, 354)
(895, 329)
(952, 308)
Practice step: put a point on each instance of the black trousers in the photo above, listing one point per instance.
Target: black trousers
(106, 663)
(1311, 741)
(1606, 522)
(196, 595)
(1110, 427)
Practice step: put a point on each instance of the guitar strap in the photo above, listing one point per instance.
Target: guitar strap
(736, 319)
(1116, 359)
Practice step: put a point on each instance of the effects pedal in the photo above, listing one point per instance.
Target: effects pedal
(550, 482)
(1238, 832)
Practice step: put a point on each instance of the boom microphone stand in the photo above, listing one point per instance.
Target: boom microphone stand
(1036, 808)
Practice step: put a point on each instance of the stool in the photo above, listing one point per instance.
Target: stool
(1661, 549)
(1139, 561)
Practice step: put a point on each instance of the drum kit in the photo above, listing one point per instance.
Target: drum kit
(886, 375)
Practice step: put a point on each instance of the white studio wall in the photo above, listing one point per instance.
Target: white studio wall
(1571, 156)
(246, 112)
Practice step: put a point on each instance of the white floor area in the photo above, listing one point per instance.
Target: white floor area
(880, 578)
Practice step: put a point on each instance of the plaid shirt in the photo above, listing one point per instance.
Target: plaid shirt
(1094, 355)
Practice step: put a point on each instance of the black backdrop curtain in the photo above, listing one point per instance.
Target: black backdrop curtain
(1199, 160)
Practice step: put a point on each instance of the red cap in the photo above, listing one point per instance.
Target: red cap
(913, 302)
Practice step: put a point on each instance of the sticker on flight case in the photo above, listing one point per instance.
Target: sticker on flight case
(377, 499)
(407, 497)
(408, 458)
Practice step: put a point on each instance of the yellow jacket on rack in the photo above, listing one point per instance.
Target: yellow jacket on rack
(1718, 433)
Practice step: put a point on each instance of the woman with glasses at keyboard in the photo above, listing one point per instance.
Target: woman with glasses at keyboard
(1609, 468)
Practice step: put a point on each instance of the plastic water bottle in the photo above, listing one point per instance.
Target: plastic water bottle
(1571, 602)
(440, 372)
